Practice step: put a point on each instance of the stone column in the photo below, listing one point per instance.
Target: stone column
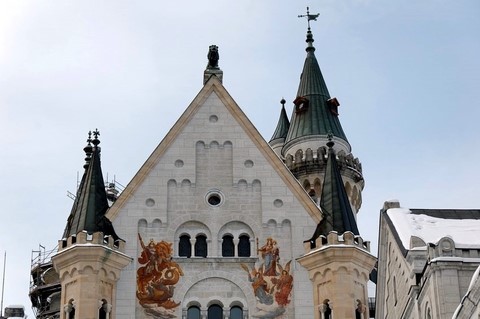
(235, 247)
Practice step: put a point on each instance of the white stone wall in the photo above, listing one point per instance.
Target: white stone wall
(213, 153)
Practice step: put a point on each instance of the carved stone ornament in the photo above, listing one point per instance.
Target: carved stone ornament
(213, 57)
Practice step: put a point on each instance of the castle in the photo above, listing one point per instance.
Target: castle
(219, 223)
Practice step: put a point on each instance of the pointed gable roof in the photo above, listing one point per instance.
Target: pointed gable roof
(91, 204)
(214, 86)
(282, 126)
(337, 212)
(320, 116)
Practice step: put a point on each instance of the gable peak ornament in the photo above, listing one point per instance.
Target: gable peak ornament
(212, 66)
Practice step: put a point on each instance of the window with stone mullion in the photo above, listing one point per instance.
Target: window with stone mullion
(228, 247)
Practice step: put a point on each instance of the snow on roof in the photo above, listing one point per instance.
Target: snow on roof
(464, 232)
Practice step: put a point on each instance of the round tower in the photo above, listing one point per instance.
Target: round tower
(315, 121)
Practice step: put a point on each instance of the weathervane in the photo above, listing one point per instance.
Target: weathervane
(309, 17)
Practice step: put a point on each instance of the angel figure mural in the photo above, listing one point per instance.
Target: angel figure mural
(270, 255)
(156, 278)
(272, 283)
(283, 285)
(259, 284)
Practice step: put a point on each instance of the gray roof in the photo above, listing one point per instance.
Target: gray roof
(282, 126)
(318, 118)
(91, 203)
(337, 212)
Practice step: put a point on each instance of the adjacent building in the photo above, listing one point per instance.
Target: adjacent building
(428, 263)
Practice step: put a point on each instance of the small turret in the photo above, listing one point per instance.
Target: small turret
(278, 138)
(91, 202)
(90, 255)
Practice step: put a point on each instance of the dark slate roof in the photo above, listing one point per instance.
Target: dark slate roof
(337, 212)
(282, 125)
(448, 213)
(91, 204)
(318, 119)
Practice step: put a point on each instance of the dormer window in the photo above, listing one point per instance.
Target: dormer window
(333, 105)
(301, 104)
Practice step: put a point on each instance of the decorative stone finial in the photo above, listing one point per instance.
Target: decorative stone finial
(282, 101)
(212, 66)
(213, 57)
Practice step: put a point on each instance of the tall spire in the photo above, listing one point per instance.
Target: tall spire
(315, 113)
(337, 212)
(91, 204)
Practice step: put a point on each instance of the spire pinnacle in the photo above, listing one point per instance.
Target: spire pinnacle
(88, 149)
(95, 140)
(309, 17)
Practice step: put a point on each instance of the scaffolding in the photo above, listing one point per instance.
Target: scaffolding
(45, 288)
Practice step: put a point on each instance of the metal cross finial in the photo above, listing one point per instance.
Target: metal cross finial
(96, 133)
(89, 139)
(309, 17)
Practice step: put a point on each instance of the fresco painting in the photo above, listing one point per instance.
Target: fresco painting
(156, 279)
(271, 283)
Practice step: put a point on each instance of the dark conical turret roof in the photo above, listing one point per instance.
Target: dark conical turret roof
(337, 212)
(320, 117)
(282, 126)
(91, 204)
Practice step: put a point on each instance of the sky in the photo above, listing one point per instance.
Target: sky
(406, 74)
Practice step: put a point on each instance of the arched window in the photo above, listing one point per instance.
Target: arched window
(70, 310)
(428, 312)
(193, 313)
(328, 312)
(102, 313)
(325, 310)
(215, 312)
(184, 246)
(236, 312)
(201, 246)
(244, 246)
(228, 248)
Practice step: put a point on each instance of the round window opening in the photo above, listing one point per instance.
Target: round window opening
(214, 198)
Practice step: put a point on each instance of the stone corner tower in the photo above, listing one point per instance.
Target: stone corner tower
(337, 258)
(90, 255)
